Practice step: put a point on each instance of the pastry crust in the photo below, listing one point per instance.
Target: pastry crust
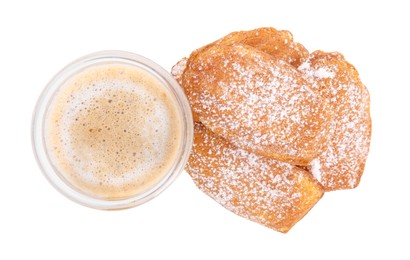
(279, 126)
(272, 193)
(277, 43)
(257, 102)
(341, 164)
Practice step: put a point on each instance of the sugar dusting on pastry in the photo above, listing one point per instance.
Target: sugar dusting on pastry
(275, 194)
(257, 102)
(243, 84)
(343, 158)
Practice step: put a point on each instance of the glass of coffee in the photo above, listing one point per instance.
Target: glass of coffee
(112, 130)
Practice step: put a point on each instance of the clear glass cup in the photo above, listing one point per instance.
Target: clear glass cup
(107, 57)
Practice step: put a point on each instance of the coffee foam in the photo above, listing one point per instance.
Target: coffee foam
(112, 131)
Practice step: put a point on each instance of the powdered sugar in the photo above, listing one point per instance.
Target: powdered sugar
(323, 73)
(245, 101)
(315, 169)
(178, 70)
(255, 187)
(319, 73)
(256, 102)
(343, 158)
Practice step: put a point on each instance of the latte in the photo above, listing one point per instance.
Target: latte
(112, 131)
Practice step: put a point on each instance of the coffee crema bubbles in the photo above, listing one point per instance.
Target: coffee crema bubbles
(112, 130)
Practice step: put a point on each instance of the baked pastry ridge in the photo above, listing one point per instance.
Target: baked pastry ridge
(272, 193)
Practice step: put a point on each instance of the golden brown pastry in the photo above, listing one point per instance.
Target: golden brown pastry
(257, 102)
(269, 192)
(178, 70)
(262, 98)
(341, 164)
(278, 43)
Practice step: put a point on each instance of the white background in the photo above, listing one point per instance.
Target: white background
(38, 38)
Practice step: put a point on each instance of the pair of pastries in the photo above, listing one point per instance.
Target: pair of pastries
(276, 126)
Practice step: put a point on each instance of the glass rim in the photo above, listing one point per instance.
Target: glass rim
(40, 149)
